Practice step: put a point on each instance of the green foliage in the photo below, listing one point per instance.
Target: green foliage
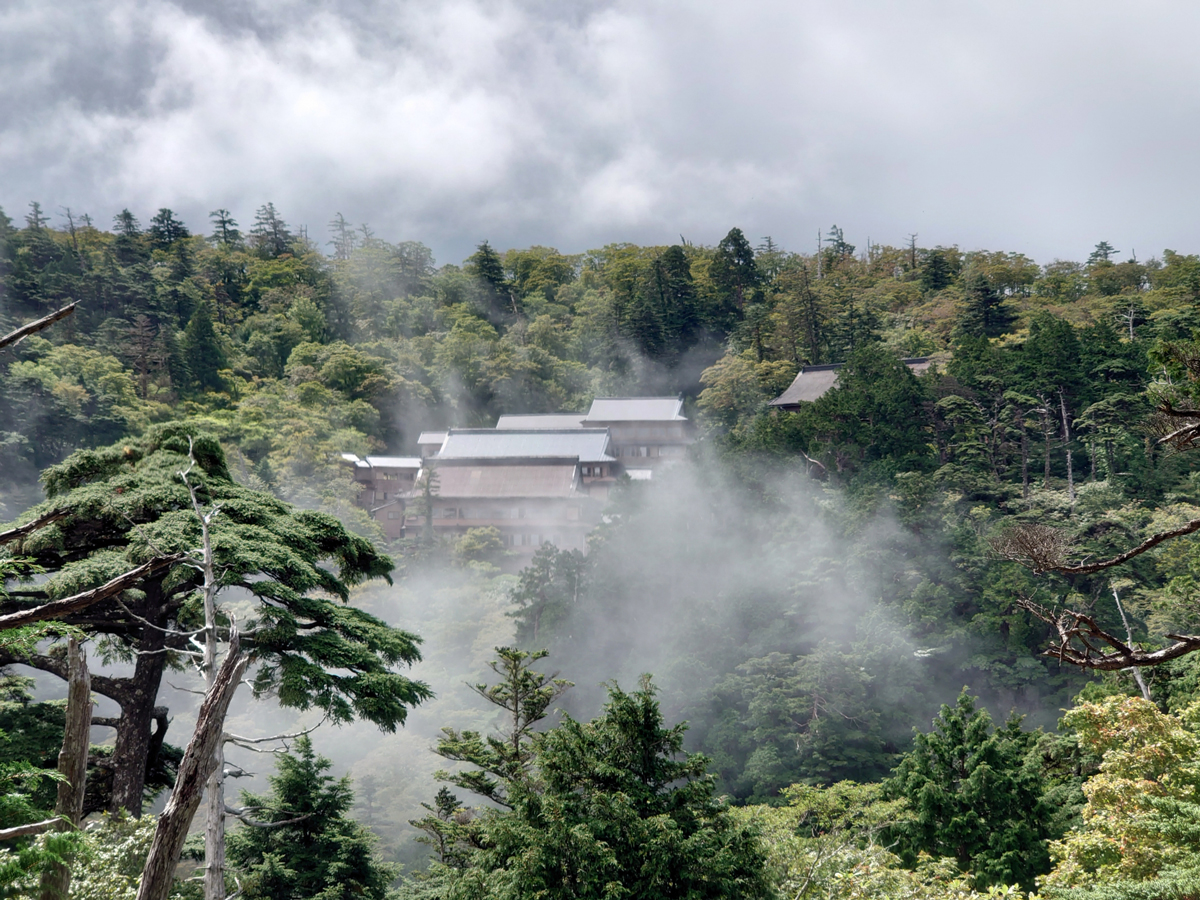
(310, 848)
(977, 796)
(826, 844)
(607, 808)
(1138, 836)
(502, 763)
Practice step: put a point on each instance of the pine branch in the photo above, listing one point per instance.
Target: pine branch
(59, 608)
(15, 534)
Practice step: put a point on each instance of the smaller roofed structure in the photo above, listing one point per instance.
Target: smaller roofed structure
(813, 382)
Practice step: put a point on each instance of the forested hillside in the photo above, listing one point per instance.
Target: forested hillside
(806, 588)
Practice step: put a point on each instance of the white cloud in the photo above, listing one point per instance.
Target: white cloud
(1015, 125)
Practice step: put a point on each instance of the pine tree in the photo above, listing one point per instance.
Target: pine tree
(225, 231)
(680, 312)
(165, 230)
(735, 276)
(270, 235)
(1103, 252)
(124, 504)
(985, 312)
(311, 849)
(617, 801)
(976, 796)
(937, 271)
(486, 265)
(202, 351)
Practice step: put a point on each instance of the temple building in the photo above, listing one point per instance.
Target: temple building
(535, 478)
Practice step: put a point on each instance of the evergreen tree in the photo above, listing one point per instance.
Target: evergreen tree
(735, 276)
(129, 247)
(985, 311)
(344, 240)
(977, 796)
(165, 230)
(680, 313)
(618, 809)
(35, 219)
(310, 848)
(270, 236)
(486, 265)
(487, 269)
(225, 231)
(1103, 252)
(202, 351)
(937, 271)
(125, 504)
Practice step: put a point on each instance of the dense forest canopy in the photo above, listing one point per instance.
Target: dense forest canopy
(806, 587)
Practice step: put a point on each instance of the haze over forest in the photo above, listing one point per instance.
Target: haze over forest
(924, 631)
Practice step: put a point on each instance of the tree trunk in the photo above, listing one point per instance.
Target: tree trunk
(214, 829)
(1047, 431)
(1062, 405)
(72, 764)
(1024, 461)
(194, 771)
(132, 747)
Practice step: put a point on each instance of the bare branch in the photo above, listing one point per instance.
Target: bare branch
(15, 337)
(58, 608)
(19, 831)
(246, 743)
(241, 815)
(1043, 548)
(1076, 628)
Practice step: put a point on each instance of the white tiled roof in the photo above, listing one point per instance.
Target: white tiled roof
(394, 462)
(635, 409)
(589, 445)
(549, 421)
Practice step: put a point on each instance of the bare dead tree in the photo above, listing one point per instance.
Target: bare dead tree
(72, 764)
(194, 771)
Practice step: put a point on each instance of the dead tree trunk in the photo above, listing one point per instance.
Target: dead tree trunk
(1066, 431)
(198, 760)
(72, 764)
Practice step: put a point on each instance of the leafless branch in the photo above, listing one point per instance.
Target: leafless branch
(1077, 628)
(15, 337)
(1044, 548)
(19, 831)
(247, 743)
(254, 823)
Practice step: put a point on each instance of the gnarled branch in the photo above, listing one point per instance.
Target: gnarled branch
(1044, 548)
(58, 608)
(1076, 628)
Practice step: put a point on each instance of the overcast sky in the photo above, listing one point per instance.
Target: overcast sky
(1042, 127)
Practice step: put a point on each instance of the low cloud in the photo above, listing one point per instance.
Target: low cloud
(1004, 125)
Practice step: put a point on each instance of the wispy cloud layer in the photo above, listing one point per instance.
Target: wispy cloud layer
(1009, 125)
